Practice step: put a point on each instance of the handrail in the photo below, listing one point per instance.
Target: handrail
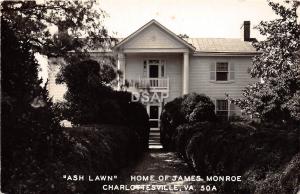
(152, 83)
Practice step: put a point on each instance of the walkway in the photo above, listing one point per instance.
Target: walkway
(157, 164)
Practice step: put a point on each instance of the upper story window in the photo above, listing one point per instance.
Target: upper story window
(222, 72)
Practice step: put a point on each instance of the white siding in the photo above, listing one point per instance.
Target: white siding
(200, 77)
(153, 37)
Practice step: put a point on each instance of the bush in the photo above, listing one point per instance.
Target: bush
(285, 180)
(89, 100)
(30, 131)
(89, 150)
(190, 108)
(99, 150)
(257, 152)
(135, 116)
(197, 108)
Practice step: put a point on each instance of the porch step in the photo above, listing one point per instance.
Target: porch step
(154, 139)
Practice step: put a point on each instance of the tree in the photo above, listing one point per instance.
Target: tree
(277, 97)
(32, 140)
(30, 128)
(88, 98)
(79, 25)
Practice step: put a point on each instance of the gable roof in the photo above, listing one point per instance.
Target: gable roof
(154, 22)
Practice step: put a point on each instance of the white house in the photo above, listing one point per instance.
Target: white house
(156, 60)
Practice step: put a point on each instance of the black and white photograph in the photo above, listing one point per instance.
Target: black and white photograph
(150, 96)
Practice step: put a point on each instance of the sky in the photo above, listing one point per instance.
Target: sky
(196, 18)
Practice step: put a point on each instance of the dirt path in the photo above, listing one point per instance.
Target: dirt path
(158, 164)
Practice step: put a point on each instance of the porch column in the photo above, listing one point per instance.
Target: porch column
(186, 64)
(121, 67)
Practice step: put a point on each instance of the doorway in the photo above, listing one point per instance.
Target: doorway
(154, 115)
(156, 68)
(154, 111)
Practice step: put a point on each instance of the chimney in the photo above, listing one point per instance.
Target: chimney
(245, 31)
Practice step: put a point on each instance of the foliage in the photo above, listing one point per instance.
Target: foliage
(258, 153)
(187, 109)
(98, 150)
(80, 25)
(283, 181)
(35, 150)
(89, 100)
(34, 147)
(277, 98)
(183, 36)
(136, 116)
(30, 129)
(197, 108)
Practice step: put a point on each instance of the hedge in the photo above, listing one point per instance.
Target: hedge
(264, 155)
(189, 108)
(87, 150)
(100, 150)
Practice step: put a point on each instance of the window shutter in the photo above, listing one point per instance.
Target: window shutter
(231, 72)
(213, 72)
(162, 70)
(215, 102)
(145, 68)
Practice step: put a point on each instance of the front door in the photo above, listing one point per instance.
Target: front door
(154, 114)
(156, 68)
(153, 71)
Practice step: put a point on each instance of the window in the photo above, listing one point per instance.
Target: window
(222, 71)
(222, 109)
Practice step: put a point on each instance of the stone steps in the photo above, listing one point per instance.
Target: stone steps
(154, 139)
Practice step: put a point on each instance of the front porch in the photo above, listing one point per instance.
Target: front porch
(150, 83)
(162, 72)
(155, 61)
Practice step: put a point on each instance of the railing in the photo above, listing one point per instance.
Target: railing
(151, 83)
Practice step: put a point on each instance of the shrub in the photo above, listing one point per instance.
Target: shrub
(30, 131)
(190, 108)
(95, 150)
(197, 108)
(257, 152)
(89, 100)
(135, 116)
(171, 117)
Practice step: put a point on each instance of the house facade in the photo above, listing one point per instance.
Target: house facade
(155, 60)
(158, 66)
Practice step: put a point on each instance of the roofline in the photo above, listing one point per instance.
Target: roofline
(153, 21)
(199, 53)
